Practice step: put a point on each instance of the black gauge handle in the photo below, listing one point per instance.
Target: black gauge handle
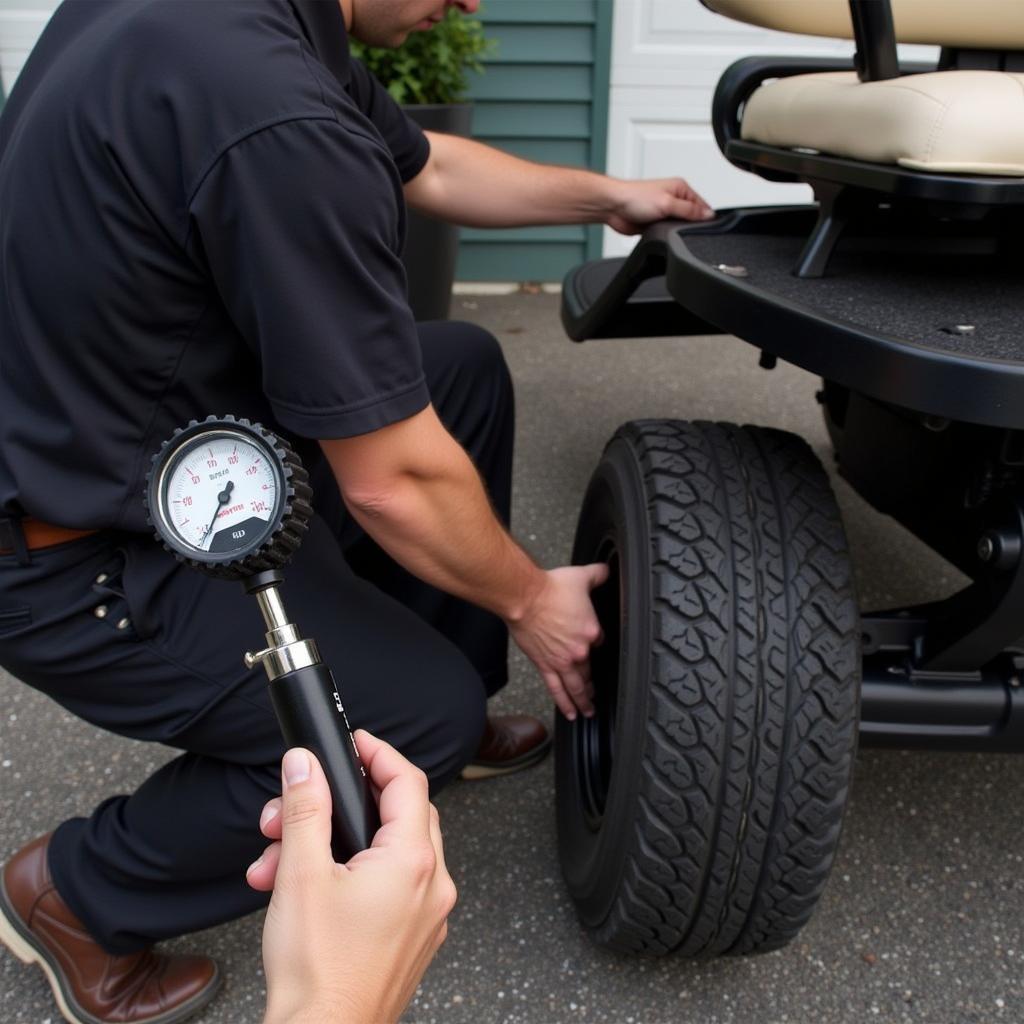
(310, 714)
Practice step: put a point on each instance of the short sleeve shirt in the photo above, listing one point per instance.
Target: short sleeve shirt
(202, 213)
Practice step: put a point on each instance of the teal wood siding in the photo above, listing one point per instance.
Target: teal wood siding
(544, 96)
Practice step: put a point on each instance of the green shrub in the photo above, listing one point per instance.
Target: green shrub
(430, 67)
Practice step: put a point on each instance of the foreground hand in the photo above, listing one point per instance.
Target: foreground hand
(639, 203)
(557, 631)
(350, 942)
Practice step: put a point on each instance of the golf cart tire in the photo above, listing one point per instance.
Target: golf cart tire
(700, 810)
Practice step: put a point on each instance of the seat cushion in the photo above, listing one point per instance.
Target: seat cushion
(961, 24)
(968, 122)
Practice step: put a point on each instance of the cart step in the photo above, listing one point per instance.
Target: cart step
(625, 297)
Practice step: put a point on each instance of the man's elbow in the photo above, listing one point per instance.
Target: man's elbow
(372, 501)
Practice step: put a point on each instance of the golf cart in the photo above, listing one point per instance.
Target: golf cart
(700, 810)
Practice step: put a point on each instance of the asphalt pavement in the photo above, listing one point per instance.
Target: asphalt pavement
(922, 918)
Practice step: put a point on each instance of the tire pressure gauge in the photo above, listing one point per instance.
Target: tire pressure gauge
(231, 499)
(228, 497)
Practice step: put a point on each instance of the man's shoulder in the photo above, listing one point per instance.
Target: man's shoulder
(241, 58)
(211, 67)
(197, 77)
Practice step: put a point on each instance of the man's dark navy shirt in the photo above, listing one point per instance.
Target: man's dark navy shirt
(201, 212)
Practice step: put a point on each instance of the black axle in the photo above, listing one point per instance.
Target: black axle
(939, 711)
(907, 702)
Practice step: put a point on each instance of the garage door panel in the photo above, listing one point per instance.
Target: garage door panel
(20, 25)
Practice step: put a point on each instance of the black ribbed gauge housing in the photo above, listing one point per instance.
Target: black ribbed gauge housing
(228, 497)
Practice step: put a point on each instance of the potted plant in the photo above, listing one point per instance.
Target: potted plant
(429, 76)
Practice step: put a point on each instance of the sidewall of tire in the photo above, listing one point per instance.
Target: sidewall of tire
(593, 861)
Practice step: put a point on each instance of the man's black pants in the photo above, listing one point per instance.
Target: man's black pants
(414, 666)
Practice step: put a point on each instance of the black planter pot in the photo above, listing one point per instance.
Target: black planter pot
(432, 246)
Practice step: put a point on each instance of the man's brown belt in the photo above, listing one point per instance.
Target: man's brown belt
(39, 535)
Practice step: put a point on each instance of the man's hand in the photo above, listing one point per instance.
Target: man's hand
(639, 203)
(350, 942)
(557, 631)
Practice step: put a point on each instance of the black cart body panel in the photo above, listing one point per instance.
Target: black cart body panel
(930, 323)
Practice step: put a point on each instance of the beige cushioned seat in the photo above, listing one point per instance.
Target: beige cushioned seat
(974, 24)
(970, 122)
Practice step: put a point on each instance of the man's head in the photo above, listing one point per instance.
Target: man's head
(389, 22)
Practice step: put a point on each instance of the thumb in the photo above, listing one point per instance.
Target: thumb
(305, 814)
(597, 574)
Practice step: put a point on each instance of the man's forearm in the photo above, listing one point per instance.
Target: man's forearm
(444, 531)
(479, 186)
(418, 495)
(435, 519)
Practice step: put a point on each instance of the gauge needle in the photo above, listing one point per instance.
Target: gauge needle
(222, 499)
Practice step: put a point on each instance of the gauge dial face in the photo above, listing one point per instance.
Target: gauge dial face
(220, 494)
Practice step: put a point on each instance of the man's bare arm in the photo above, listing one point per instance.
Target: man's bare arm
(476, 185)
(415, 491)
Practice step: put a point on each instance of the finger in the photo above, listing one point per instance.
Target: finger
(597, 573)
(584, 669)
(305, 813)
(562, 700)
(404, 797)
(367, 745)
(261, 874)
(435, 838)
(581, 653)
(576, 686)
(684, 191)
(688, 209)
(270, 818)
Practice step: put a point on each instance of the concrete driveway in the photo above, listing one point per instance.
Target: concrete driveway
(923, 919)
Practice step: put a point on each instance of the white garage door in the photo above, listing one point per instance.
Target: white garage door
(667, 56)
(21, 21)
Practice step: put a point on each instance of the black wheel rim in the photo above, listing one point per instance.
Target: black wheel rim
(594, 738)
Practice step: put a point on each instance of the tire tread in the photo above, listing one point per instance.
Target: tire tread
(750, 739)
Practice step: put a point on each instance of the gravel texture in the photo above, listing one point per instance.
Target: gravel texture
(922, 918)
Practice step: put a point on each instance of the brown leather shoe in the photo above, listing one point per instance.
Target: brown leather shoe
(90, 985)
(510, 743)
